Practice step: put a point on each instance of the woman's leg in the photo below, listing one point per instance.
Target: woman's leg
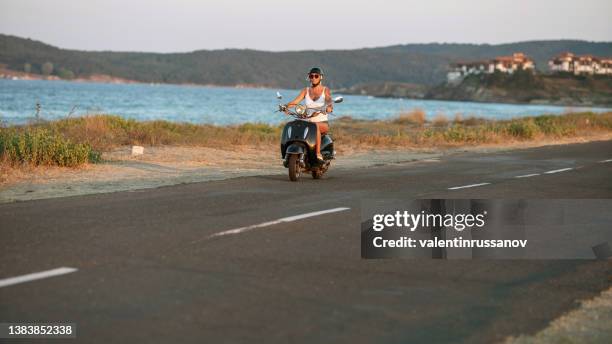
(322, 129)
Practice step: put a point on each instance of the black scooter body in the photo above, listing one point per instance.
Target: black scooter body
(300, 137)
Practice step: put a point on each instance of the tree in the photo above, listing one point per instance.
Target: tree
(27, 67)
(65, 73)
(47, 68)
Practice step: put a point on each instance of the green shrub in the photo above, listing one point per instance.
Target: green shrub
(459, 133)
(39, 146)
(524, 129)
(456, 133)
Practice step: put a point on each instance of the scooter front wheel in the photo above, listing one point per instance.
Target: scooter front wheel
(294, 167)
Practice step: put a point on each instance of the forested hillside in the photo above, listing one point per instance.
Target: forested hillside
(423, 64)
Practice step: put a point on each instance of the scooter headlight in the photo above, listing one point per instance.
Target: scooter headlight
(300, 109)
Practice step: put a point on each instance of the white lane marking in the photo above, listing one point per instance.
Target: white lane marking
(275, 222)
(36, 276)
(609, 160)
(528, 175)
(468, 186)
(559, 170)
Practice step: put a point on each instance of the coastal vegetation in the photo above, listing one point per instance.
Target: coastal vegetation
(75, 141)
(41, 146)
(413, 130)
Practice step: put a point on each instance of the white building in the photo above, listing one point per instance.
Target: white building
(510, 64)
(504, 64)
(605, 66)
(585, 64)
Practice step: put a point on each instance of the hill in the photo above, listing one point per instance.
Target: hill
(539, 51)
(422, 64)
(525, 87)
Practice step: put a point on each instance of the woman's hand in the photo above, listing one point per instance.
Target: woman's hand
(294, 102)
(329, 109)
(284, 108)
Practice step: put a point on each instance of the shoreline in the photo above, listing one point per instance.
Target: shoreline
(548, 89)
(7, 74)
(108, 79)
(536, 103)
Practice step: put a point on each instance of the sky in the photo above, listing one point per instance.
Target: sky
(279, 25)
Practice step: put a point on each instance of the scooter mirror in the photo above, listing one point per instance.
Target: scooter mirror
(338, 100)
(279, 96)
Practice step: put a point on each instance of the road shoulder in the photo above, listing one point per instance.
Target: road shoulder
(173, 165)
(589, 323)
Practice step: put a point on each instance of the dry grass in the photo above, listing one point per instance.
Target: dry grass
(415, 117)
(440, 120)
(105, 132)
(469, 121)
(440, 132)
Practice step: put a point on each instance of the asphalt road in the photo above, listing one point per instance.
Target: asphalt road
(151, 270)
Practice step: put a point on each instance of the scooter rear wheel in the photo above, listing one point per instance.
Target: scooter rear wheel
(294, 168)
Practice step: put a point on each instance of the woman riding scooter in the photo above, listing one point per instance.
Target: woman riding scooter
(315, 97)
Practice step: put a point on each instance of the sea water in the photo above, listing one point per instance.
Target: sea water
(217, 105)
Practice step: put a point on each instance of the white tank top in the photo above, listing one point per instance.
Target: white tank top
(313, 106)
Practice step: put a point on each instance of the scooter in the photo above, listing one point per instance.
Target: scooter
(298, 143)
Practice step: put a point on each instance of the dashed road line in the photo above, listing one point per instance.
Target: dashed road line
(559, 170)
(468, 186)
(528, 175)
(524, 176)
(275, 222)
(36, 276)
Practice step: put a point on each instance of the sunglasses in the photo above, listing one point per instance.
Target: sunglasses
(313, 76)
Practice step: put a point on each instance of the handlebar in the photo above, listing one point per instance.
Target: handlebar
(321, 109)
(284, 108)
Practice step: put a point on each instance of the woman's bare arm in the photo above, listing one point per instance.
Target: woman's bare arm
(297, 99)
(328, 100)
